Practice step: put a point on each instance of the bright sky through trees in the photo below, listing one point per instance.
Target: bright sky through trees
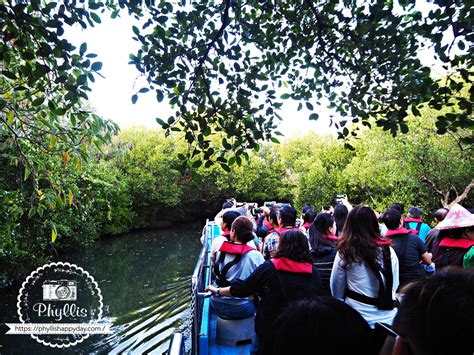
(111, 95)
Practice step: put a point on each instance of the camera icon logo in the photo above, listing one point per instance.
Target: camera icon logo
(59, 290)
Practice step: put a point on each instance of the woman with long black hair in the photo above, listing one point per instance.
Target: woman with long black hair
(365, 271)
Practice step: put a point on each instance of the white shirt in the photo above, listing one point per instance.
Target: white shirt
(359, 278)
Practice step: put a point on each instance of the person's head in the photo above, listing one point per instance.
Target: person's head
(440, 214)
(398, 206)
(392, 219)
(321, 320)
(293, 245)
(228, 218)
(308, 216)
(242, 230)
(323, 224)
(306, 209)
(414, 212)
(273, 217)
(340, 215)
(357, 241)
(458, 223)
(287, 216)
(436, 315)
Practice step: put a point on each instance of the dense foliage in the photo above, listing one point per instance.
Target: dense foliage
(137, 183)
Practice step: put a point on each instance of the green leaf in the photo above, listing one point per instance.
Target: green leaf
(83, 48)
(314, 117)
(11, 117)
(27, 174)
(95, 17)
(285, 96)
(38, 101)
(134, 99)
(309, 106)
(143, 90)
(96, 66)
(54, 234)
(197, 164)
(159, 95)
(160, 121)
(225, 167)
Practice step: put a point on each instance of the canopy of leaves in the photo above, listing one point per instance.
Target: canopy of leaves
(228, 66)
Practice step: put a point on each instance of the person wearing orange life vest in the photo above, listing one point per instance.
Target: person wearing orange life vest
(288, 276)
(235, 259)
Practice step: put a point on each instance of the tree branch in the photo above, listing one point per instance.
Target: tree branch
(464, 194)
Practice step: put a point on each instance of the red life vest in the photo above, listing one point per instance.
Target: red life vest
(268, 224)
(461, 243)
(306, 225)
(399, 231)
(284, 229)
(284, 264)
(236, 249)
(329, 236)
(382, 242)
(418, 222)
(229, 248)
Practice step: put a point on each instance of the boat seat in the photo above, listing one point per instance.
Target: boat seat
(235, 332)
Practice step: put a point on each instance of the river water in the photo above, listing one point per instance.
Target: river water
(145, 282)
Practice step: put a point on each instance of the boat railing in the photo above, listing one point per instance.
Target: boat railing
(199, 281)
(177, 344)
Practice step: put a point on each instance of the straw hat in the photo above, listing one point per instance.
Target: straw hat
(457, 217)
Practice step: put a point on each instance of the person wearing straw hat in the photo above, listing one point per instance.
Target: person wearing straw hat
(455, 239)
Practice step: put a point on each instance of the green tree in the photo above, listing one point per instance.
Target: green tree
(228, 66)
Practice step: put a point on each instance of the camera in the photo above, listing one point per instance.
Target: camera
(60, 290)
(257, 210)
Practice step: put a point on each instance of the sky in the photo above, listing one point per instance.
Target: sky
(111, 97)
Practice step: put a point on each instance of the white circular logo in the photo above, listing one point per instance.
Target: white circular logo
(60, 305)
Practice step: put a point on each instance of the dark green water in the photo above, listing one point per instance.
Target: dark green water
(145, 282)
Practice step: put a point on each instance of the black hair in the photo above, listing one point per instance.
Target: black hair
(340, 215)
(440, 214)
(293, 245)
(437, 313)
(398, 206)
(319, 227)
(243, 228)
(305, 209)
(288, 216)
(229, 217)
(321, 320)
(309, 216)
(415, 212)
(391, 218)
(273, 216)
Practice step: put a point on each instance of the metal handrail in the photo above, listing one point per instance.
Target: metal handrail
(198, 280)
(176, 345)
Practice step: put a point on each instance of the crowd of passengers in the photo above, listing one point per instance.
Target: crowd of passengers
(347, 277)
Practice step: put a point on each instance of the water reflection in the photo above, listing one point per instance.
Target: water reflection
(145, 283)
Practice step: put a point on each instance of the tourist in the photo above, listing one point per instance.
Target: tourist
(287, 277)
(365, 270)
(235, 260)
